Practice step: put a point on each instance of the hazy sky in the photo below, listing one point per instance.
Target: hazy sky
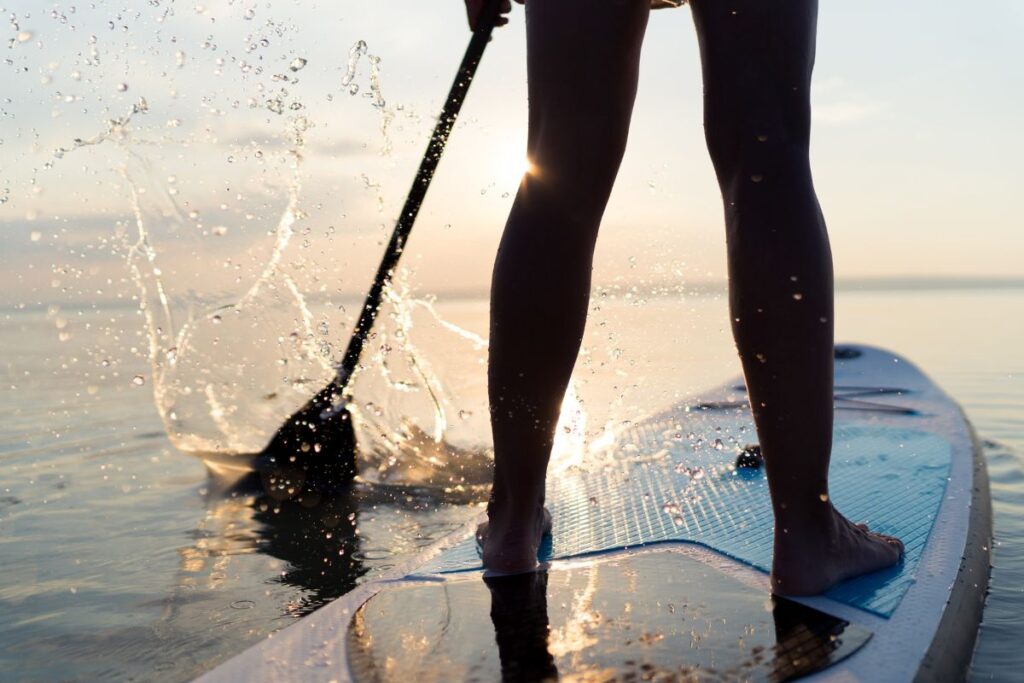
(916, 147)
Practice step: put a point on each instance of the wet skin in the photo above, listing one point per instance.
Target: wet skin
(582, 63)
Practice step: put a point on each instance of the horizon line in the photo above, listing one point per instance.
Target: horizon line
(660, 289)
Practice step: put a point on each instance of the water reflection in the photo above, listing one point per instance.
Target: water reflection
(519, 612)
(805, 640)
(653, 616)
(326, 541)
(318, 539)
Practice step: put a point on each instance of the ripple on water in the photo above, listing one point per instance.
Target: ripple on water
(999, 656)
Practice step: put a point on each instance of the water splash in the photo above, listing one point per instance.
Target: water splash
(224, 374)
(421, 429)
(386, 114)
(376, 94)
(205, 403)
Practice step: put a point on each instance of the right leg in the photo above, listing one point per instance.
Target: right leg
(757, 57)
(582, 62)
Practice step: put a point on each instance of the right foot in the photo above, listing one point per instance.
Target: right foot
(811, 563)
(510, 546)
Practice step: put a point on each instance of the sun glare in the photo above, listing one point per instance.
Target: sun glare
(527, 167)
(511, 165)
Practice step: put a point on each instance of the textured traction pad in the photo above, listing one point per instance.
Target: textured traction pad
(673, 480)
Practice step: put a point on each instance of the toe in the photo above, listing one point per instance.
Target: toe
(896, 543)
(892, 544)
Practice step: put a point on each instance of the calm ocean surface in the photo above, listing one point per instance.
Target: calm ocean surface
(122, 561)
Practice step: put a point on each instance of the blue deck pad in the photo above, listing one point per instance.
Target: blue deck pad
(669, 482)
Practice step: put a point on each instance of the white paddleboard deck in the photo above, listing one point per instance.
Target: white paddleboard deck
(905, 460)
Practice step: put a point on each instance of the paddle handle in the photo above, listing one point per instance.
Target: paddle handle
(445, 122)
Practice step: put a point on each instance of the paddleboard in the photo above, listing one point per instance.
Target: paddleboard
(656, 568)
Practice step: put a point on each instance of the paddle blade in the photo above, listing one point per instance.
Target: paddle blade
(314, 450)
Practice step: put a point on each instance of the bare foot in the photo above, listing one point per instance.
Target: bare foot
(510, 546)
(807, 563)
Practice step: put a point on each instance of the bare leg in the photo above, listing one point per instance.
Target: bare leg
(757, 58)
(582, 61)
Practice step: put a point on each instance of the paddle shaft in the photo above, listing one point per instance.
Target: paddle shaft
(438, 140)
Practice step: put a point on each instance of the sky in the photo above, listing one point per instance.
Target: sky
(916, 146)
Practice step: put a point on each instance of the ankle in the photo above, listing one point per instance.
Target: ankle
(520, 500)
(812, 524)
(514, 513)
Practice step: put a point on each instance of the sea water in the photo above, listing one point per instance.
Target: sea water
(123, 560)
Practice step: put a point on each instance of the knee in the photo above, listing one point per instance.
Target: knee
(580, 157)
(751, 145)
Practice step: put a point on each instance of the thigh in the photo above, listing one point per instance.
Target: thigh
(583, 58)
(756, 57)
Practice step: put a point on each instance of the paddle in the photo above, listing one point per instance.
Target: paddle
(316, 447)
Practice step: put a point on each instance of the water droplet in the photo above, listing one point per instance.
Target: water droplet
(297, 64)
(35, 236)
(138, 380)
(354, 54)
(25, 36)
(215, 319)
(823, 497)
(121, 87)
(797, 296)
(757, 177)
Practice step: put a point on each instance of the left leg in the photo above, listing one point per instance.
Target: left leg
(757, 57)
